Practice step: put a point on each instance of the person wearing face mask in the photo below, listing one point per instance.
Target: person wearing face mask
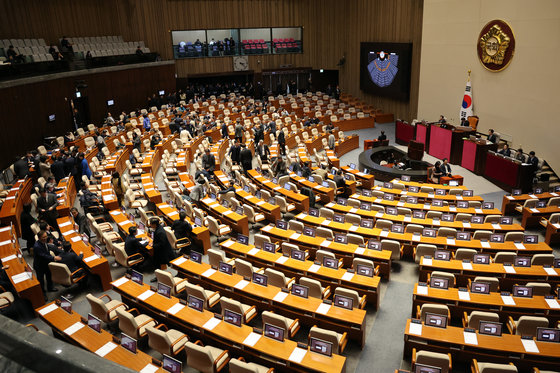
(163, 252)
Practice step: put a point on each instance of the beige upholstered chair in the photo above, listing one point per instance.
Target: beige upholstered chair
(423, 249)
(504, 257)
(526, 325)
(492, 281)
(439, 309)
(247, 312)
(277, 278)
(316, 290)
(206, 359)
(394, 247)
(215, 256)
(166, 341)
(134, 326)
(210, 298)
(246, 269)
(338, 340)
(357, 301)
(450, 277)
(434, 359)
(465, 254)
(61, 274)
(240, 366)
(6, 298)
(540, 288)
(176, 284)
(473, 320)
(477, 367)
(290, 326)
(106, 312)
(126, 260)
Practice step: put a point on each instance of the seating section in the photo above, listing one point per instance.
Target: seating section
(33, 50)
(100, 46)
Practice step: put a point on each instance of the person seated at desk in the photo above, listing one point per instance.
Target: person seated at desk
(306, 170)
(72, 260)
(279, 167)
(230, 188)
(382, 136)
(445, 168)
(132, 244)
(442, 120)
(505, 151)
(88, 199)
(436, 172)
(339, 180)
(491, 136)
(41, 259)
(520, 156)
(465, 122)
(156, 139)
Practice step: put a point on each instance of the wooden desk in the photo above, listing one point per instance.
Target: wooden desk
(67, 195)
(265, 350)
(466, 301)
(267, 298)
(110, 200)
(306, 268)
(87, 338)
(238, 223)
(474, 154)
(496, 349)
(150, 189)
(510, 202)
(420, 185)
(552, 234)
(452, 198)
(506, 173)
(348, 144)
(300, 201)
(367, 180)
(13, 204)
(332, 158)
(125, 224)
(201, 234)
(532, 217)
(95, 265)
(326, 194)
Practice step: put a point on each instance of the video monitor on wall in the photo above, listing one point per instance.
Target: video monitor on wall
(385, 69)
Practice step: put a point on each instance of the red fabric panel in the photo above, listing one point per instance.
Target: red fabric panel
(501, 169)
(440, 142)
(421, 131)
(404, 131)
(469, 155)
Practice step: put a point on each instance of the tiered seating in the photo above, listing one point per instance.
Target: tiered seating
(254, 46)
(287, 45)
(105, 46)
(33, 50)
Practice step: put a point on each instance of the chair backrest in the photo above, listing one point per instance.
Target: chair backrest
(326, 335)
(446, 232)
(482, 235)
(496, 368)
(60, 273)
(554, 201)
(158, 340)
(260, 239)
(413, 228)
(231, 305)
(215, 256)
(530, 203)
(527, 325)
(439, 309)
(326, 213)
(353, 219)
(324, 233)
(393, 246)
(495, 219)
(504, 257)
(199, 357)
(165, 278)
(465, 254)
(243, 268)
(542, 259)
(287, 248)
(295, 226)
(352, 294)
(121, 256)
(492, 281)
(514, 236)
(434, 214)
(477, 316)
(315, 288)
(445, 275)
(98, 307)
(540, 288)
(463, 217)
(127, 323)
(275, 278)
(383, 224)
(238, 366)
(423, 249)
(355, 239)
(276, 320)
(434, 359)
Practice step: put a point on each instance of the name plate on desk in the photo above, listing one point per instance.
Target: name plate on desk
(105, 349)
(415, 329)
(416, 237)
(508, 300)
(252, 339)
(241, 284)
(496, 226)
(323, 308)
(384, 233)
(280, 296)
(359, 250)
(175, 308)
(48, 309)
(550, 271)
(209, 272)
(467, 265)
(253, 251)
(400, 204)
(519, 246)
(353, 228)
(62, 225)
(530, 345)
(297, 355)
(145, 295)
(421, 290)
(485, 244)
(325, 243)
(470, 338)
(150, 368)
(90, 258)
(427, 261)
(76, 239)
(509, 269)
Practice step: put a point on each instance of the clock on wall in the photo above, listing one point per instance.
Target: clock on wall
(240, 63)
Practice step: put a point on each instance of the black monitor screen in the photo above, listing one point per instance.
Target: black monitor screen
(506, 220)
(438, 282)
(313, 211)
(169, 364)
(225, 268)
(242, 239)
(405, 178)
(548, 335)
(66, 305)
(463, 236)
(195, 303)
(260, 279)
(366, 223)
(339, 218)
(341, 238)
(421, 368)
(330, 262)
(281, 224)
(164, 290)
(94, 323)
(388, 197)
(480, 287)
(319, 346)
(440, 192)
(522, 291)
(342, 201)
(530, 238)
(308, 231)
(364, 270)
(447, 217)
(385, 69)
(418, 214)
(300, 290)
(374, 245)
(413, 189)
(481, 258)
(437, 202)
(442, 255)
(128, 343)
(490, 328)
(269, 246)
(274, 332)
(468, 193)
(391, 211)
(365, 206)
(462, 205)
(412, 199)
(434, 319)
(516, 192)
(428, 232)
(343, 302)
(522, 261)
(232, 317)
(298, 254)
(196, 256)
(397, 228)
(496, 237)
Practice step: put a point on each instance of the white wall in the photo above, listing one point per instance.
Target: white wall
(521, 100)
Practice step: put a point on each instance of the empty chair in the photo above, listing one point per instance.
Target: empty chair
(252, 216)
(326, 213)
(455, 192)
(473, 320)
(355, 239)
(542, 259)
(338, 340)
(477, 367)
(176, 284)
(364, 262)
(529, 204)
(245, 269)
(321, 254)
(6, 298)
(394, 247)
(414, 228)
(61, 274)
(426, 189)
(166, 341)
(383, 224)
(540, 288)
(446, 232)
(493, 219)
(433, 359)
(295, 225)
(284, 206)
(463, 217)
(216, 228)
(290, 326)
(287, 248)
(324, 233)
(134, 326)
(210, 298)
(246, 312)
(439, 309)
(465, 254)
(353, 219)
(106, 312)
(482, 235)
(526, 325)
(278, 279)
(125, 260)
(357, 301)
(423, 249)
(492, 281)
(215, 256)
(316, 290)
(206, 359)
(434, 214)
(240, 366)
(450, 277)
(554, 201)
(514, 236)
(504, 257)
(404, 211)
(260, 239)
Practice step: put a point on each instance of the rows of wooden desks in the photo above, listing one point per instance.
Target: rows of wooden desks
(306, 268)
(124, 223)
(235, 221)
(532, 216)
(66, 195)
(510, 202)
(96, 265)
(74, 330)
(110, 200)
(435, 186)
(300, 201)
(460, 300)
(423, 196)
(150, 188)
(346, 252)
(508, 275)
(283, 356)
(310, 311)
(17, 196)
(349, 143)
(201, 234)
(325, 193)
(367, 180)
(467, 346)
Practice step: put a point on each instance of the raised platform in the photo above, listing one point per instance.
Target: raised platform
(369, 160)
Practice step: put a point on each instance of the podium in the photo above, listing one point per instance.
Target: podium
(415, 150)
(447, 142)
(474, 154)
(404, 132)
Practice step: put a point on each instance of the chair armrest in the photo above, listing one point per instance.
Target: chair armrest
(2, 289)
(32, 326)
(465, 319)
(294, 323)
(218, 368)
(291, 282)
(132, 310)
(159, 326)
(449, 355)
(179, 340)
(199, 342)
(413, 357)
(474, 366)
(376, 270)
(343, 341)
(363, 303)
(177, 284)
(105, 295)
(340, 262)
(417, 312)
(249, 310)
(511, 325)
(117, 306)
(79, 270)
(147, 322)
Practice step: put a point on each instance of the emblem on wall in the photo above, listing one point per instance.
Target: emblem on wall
(496, 45)
(382, 68)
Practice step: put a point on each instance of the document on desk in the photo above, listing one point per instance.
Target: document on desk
(519, 245)
(68, 233)
(325, 243)
(400, 204)
(20, 277)
(145, 295)
(466, 224)
(359, 250)
(467, 265)
(427, 261)
(384, 233)
(241, 284)
(326, 222)
(211, 324)
(416, 237)
(534, 211)
(510, 197)
(119, 282)
(508, 300)
(76, 239)
(260, 203)
(8, 258)
(407, 219)
(464, 295)
(282, 259)
(295, 236)
(90, 258)
(353, 210)
(550, 271)
(353, 228)
(533, 196)
(280, 296)
(347, 276)
(253, 251)
(323, 308)
(175, 308)
(452, 209)
(552, 303)
(150, 368)
(530, 345)
(180, 260)
(478, 211)
(485, 244)
(62, 225)
(509, 269)
(450, 241)
(252, 339)
(330, 204)
(421, 290)
(470, 338)
(73, 328)
(106, 348)
(314, 268)
(415, 329)
(496, 226)
(379, 214)
(48, 309)
(460, 198)
(297, 355)
(209, 272)
(266, 228)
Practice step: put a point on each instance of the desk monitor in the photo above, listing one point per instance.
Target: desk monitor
(164, 290)
(530, 238)
(239, 210)
(325, 184)
(94, 323)
(308, 231)
(481, 258)
(447, 217)
(341, 238)
(339, 218)
(298, 254)
(364, 270)
(462, 205)
(137, 277)
(213, 196)
(557, 188)
(556, 264)
(388, 185)
(85, 238)
(330, 262)
(275, 180)
(333, 171)
(260, 279)
(343, 302)
(496, 237)
(281, 224)
(538, 190)
(442, 255)
(319, 346)
(522, 261)
(300, 290)
(506, 220)
(388, 196)
(195, 303)
(548, 335)
(195, 256)
(440, 192)
(397, 228)
(366, 223)
(480, 288)
(225, 203)
(287, 186)
(374, 245)
(269, 246)
(490, 328)
(225, 268)
(258, 194)
(365, 206)
(413, 189)
(97, 250)
(171, 365)
(66, 305)
(411, 199)
(541, 204)
(291, 167)
(391, 211)
(437, 320)
(348, 177)
(131, 217)
(421, 368)
(366, 192)
(232, 317)
(274, 332)
(516, 192)
(242, 239)
(341, 201)
(405, 177)
(272, 200)
(522, 291)
(437, 202)
(418, 214)
(311, 179)
(428, 232)
(468, 193)
(299, 173)
(453, 183)
(197, 221)
(438, 282)
(313, 212)
(487, 205)
(128, 343)
(464, 236)
(352, 166)
(52, 117)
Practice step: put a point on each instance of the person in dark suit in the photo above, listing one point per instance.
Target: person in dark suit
(57, 169)
(132, 244)
(234, 152)
(339, 180)
(70, 258)
(208, 163)
(46, 205)
(534, 162)
(224, 130)
(81, 221)
(41, 260)
(382, 136)
(263, 151)
(163, 252)
(246, 158)
(281, 140)
(491, 136)
(520, 156)
(306, 170)
(442, 120)
(506, 151)
(21, 167)
(182, 229)
(259, 134)
(26, 221)
(445, 168)
(239, 132)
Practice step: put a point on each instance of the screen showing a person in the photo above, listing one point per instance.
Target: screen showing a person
(343, 302)
(300, 290)
(522, 291)
(490, 328)
(364, 270)
(281, 224)
(232, 317)
(421, 368)
(548, 335)
(433, 319)
(298, 254)
(480, 288)
(260, 279)
(269, 246)
(530, 238)
(196, 256)
(341, 238)
(94, 323)
(66, 305)
(522, 261)
(319, 346)
(128, 343)
(366, 223)
(195, 303)
(308, 231)
(438, 282)
(164, 290)
(330, 262)
(274, 332)
(225, 268)
(442, 255)
(242, 239)
(171, 365)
